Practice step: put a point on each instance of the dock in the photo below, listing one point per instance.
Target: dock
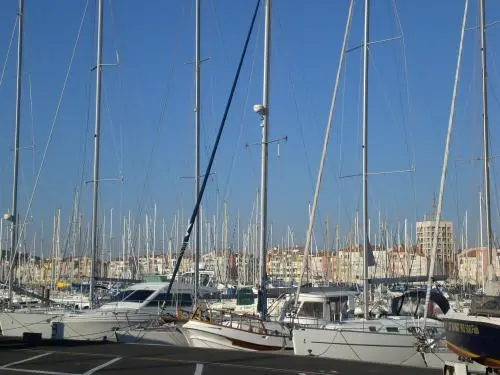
(86, 358)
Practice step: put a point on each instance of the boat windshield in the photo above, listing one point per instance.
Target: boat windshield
(409, 305)
(414, 306)
(176, 299)
(121, 296)
(204, 279)
(132, 296)
(311, 310)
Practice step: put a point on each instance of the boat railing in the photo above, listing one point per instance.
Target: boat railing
(485, 306)
(228, 318)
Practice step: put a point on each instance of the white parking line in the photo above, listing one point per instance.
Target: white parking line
(28, 371)
(199, 369)
(91, 371)
(25, 360)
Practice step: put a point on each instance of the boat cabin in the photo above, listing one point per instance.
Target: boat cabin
(319, 308)
(412, 303)
(152, 296)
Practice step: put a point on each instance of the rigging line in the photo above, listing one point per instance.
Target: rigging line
(311, 214)
(23, 177)
(406, 82)
(8, 51)
(194, 214)
(83, 148)
(495, 192)
(54, 121)
(341, 143)
(256, 174)
(357, 196)
(86, 131)
(465, 111)
(388, 102)
(297, 115)
(252, 157)
(32, 126)
(120, 83)
(148, 170)
(220, 34)
(300, 123)
(444, 166)
(107, 107)
(495, 96)
(164, 108)
(457, 193)
(243, 117)
(409, 109)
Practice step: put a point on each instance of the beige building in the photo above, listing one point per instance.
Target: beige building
(425, 235)
(473, 265)
(286, 265)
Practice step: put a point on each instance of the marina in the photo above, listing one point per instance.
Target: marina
(395, 289)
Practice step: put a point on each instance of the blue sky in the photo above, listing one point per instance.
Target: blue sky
(148, 119)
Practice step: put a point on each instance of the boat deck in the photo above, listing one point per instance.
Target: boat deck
(85, 358)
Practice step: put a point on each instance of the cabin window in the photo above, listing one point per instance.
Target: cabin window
(204, 279)
(392, 329)
(312, 310)
(338, 307)
(176, 299)
(138, 296)
(409, 306)
(372, 329)
(121, 296)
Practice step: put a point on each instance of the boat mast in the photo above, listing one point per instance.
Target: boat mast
(197, 151)
(13, 214)
(97, 136)
(365, 160)
(444, 169)
(486, 154)
(263, 111)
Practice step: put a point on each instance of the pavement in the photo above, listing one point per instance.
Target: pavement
(85, 358)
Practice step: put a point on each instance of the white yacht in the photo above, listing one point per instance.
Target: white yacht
(206, 282)
(394, 338)
(138, 304)
(224, 329)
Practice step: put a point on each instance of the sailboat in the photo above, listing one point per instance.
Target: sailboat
(12, 216)
(388, 339)
(168, 334)
(475, 336)
(226, 330)
(138, 304)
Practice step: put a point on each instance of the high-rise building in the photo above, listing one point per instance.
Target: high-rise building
(425, 235)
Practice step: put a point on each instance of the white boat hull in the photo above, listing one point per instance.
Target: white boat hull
(152, 336)
(200, 334)
(85, 326)
(16, 323)
(379, 347)
(99, 325)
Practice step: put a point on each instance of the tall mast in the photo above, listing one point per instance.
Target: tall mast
(13, 214)
(365, 159)
(263, 111)
(197, 240)
(97, 136)
(444, 169)
(486, 154)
